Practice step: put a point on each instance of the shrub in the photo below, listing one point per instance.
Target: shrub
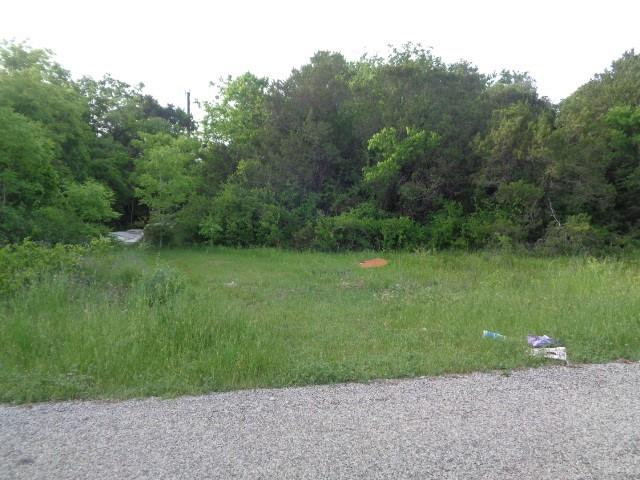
(350, 232)
(446, 227)
(28, 262)
(304, 237)
(54, 224)
(576, 235)
(241, 216)
(159, 231)
(400, 233)
(343, 232)
(91, 202)
(493, 229)
(479, 228)
(94, 267)
(511, 217)
(520, 209)
(15, 224)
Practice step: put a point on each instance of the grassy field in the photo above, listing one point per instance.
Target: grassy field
(255, 318)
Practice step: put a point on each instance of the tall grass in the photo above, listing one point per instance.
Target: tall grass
(136, 323)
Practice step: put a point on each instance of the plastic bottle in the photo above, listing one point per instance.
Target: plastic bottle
(493, 335)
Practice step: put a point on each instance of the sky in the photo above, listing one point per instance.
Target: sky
(183, 45)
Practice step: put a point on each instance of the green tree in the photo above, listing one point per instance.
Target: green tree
(27, 177)
(516, 145)
(316, 153)
(414, 87)
(164, 179)
(624, 164)
(90, 202)
(580, 179)
(38, 88)
(397, 177)
(118, 115)
(238, 118)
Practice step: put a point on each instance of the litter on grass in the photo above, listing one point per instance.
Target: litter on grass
(540, 345)
(555, 353)
(493, 335)
(536, 341)
(129, 237)
(373, 263)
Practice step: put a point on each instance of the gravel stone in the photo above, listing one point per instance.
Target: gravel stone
(580, 422)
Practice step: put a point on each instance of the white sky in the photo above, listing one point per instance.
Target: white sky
(180, 45)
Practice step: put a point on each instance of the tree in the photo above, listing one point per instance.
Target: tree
(624, 164)
(118, 115)
(317, 151)
(27, 177)
(414, 87)
(163, 178)
(38, 88)
(580, 179)
(515, 146)
(238, 119)
(90, 202)
(401, 167)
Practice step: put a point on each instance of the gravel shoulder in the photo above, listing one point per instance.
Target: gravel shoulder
(579, 422)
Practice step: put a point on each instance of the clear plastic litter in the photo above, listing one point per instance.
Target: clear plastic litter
(554, 353)
(493, 335)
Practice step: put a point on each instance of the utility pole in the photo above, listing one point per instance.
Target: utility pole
(189, 110)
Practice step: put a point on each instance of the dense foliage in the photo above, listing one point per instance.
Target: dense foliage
(67, 148)
(381, 153)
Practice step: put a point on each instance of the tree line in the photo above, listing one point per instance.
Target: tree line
(399, 151)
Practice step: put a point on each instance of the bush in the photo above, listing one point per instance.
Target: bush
(350, 232)
(96, 267)
(575, 236)
(446, 227)
(493, 229)
(28, 262)
(520, 210)
(91, 202)
(343, 232)
(479, 228)
(15, 224)
(400, 233)
(241, 216)
(53, 225)
(304, 237)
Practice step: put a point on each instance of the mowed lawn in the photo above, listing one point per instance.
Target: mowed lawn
(265, 317)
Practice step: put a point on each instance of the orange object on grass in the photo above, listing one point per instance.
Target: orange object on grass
(374, 262)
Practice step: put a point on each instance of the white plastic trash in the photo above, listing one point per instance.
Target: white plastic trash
(555, 353)
(129, 237)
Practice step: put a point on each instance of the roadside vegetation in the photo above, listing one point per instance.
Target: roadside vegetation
(399, 152)
(497, 209)
(119, 323)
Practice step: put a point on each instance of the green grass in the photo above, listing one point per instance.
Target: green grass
(257, 318)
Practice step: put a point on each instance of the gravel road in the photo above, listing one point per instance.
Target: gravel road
(547, 423)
